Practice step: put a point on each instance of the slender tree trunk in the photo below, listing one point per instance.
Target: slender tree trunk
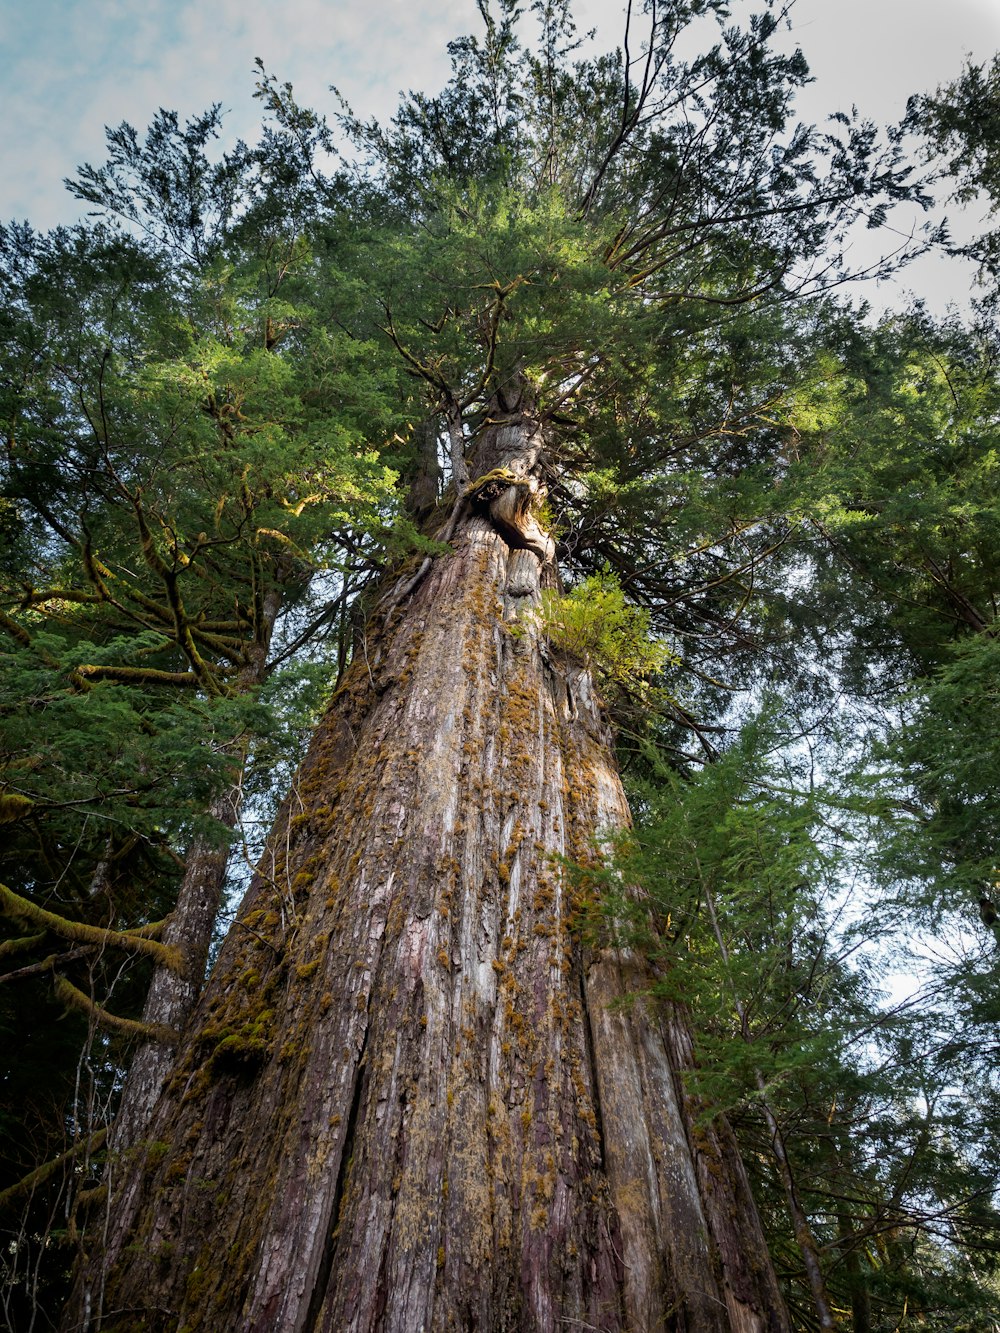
(804, 1238)
(425, 482)
(172, 995)
(857, 1282)
(410, 1097)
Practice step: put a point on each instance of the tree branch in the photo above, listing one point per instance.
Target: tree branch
(13, 905)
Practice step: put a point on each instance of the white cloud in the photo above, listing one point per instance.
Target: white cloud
(875, 53)
(66, 75)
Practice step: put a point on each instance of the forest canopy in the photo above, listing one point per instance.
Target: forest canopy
(242, 407)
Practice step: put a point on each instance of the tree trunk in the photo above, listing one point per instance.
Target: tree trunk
(172, 995)
(411, 1097)
(849, 1242)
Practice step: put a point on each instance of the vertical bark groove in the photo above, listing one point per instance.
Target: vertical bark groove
(325, 1265)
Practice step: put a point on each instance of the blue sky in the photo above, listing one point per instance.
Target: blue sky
(69, 67)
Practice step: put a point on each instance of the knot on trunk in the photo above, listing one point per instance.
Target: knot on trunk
(511, 502)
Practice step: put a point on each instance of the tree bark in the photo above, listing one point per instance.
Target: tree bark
(411, 1096)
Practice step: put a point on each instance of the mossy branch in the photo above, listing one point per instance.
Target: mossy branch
(96, 571)
(284, 540)
(89, 1198)
(22, 636)
(13, 905)
(14, 806)
(182, 626)
(47, 964)
(140, 675)
(15, 630)
(90, 1143)
(41, 596)
(24, 944)
(74, 998)
(152, 930)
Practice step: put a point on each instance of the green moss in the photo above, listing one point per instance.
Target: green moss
(156, 1150)
(239, 1053)
(239, 1049)
(177, 1170)
(197, 1283)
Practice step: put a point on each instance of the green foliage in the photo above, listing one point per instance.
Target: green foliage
(634, 251)
(943, 759)
(740, 846)
(192, 492)
(753, 924)
(961, 122)
(894, 475)
(220, 398)
(597, 626)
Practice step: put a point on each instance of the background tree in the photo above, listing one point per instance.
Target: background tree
(861, 1118)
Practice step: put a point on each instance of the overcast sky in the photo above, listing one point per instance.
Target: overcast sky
(70, 67)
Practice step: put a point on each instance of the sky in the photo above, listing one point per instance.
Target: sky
(70, 67)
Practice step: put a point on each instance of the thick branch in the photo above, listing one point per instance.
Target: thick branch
(73, 997)
(11, 948)
(140, 675)
(48, 1169)
(13, 905)
(15, 630)
(47, 964)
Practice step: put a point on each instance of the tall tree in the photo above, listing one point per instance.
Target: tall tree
(413, 1092)
(863, 1120)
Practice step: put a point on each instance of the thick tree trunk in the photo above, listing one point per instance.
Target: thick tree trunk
(411, 1098)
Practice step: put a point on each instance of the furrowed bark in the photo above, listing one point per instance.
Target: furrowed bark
(409, 1097)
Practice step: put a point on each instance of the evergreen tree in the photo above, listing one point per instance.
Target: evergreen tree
(864, 1122)
(417, 1089)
